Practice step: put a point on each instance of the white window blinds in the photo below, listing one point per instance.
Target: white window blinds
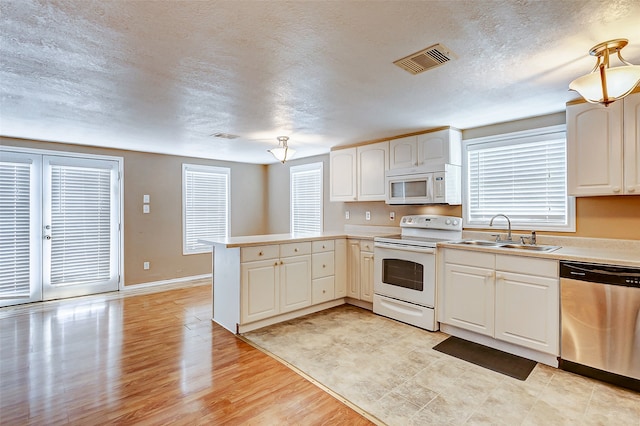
(306, 198)
(205, 205)
(15, 226)
(521, 175)
(81, 224)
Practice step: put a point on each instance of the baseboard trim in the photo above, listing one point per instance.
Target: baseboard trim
(133, 287)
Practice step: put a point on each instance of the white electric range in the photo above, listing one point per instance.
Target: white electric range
(405, 268)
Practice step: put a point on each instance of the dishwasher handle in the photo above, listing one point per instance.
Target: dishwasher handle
(601, 274)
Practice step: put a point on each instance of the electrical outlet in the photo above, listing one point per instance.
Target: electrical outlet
(145, 198)
(145, 265)
(145, 208)
(346, 215)
(392, 215)
(367, 215)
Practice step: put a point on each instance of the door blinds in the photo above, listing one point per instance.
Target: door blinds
(523, 178)
(80, 224)
(206, 205)
(306, 198)
(15, 227)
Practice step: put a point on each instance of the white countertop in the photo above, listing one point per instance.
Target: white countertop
(606, 255)
(594, 250)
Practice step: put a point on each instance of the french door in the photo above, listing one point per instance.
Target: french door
(59, 226)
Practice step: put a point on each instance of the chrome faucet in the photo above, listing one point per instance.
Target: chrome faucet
(508, 223)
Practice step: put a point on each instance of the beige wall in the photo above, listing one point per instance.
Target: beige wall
(279, 196)
(157, 237)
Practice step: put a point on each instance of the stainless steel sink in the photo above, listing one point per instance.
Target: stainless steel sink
(480, 243)
(529, 247)
(507, 245)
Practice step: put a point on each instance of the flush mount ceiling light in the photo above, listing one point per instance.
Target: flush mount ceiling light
(282, 152)
(607, 84)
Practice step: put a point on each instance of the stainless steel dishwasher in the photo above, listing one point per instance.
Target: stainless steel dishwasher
(600, 314)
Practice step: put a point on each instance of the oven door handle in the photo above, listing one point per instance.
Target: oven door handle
(428, 250)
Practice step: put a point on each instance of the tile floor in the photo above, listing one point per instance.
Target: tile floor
(390, 370)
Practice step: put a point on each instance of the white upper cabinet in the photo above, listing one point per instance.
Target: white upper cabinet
(343, 175)
(603, 145)
(373, 161)
(425, 150)
(357, 174)
(631, 148)
(403, 152)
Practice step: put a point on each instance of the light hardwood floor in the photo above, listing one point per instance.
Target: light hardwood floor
(153, 358)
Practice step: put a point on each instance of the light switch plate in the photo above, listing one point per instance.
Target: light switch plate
(346, 215)
(145, 265)
(145, 198)
(145, 208)
(367, 215)
(392, 215)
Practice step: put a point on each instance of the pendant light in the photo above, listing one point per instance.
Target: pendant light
(604, 84)
(282, 153)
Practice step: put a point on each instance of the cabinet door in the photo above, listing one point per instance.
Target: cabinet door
(340, 268)
(527, 311)
(342, 171)
(353, 281)
(632, 144)
(373, 162)
(259, 290)
(594, 149)
(436, 148)
(295, 283)
(403, 153)
(366, 276)
(469, 298)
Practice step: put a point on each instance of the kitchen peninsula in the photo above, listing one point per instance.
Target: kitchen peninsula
(263, 279)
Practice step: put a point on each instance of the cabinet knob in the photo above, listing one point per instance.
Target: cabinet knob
(260, 254)
(275, 264)
(324, 266)
(296, 250)
(631, 189)
(324, 291)
(616, 189)
(323, 246)
(281, 262)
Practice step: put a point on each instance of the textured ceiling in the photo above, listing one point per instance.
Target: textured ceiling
(163, 76)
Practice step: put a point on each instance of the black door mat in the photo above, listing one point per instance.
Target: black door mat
(493, 359)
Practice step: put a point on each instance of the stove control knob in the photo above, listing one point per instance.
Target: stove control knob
(448, 221)
(455, 223)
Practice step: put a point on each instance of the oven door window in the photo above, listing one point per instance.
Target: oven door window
(403, 273)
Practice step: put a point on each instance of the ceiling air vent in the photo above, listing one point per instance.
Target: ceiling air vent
(425, 59)
(224, 135)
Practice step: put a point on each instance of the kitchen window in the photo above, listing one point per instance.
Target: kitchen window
(306, 198)
(205, 205)
(522, 175)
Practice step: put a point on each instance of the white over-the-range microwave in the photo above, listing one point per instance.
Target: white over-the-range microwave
(438, 185)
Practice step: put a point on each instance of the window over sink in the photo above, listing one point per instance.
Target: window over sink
(522, 175)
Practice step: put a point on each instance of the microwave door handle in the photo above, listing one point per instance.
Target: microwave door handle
(430, 187)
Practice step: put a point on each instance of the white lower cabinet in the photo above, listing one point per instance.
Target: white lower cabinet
(277, 279)
(360, 266)
(510, 298)
(295, 283)
(260, 290)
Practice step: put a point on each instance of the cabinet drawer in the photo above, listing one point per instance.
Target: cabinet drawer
(320, 246)
(322, 264)
(366, 245)
(470, 258)
(527, 265)
(295, 249)
(250, 254)
(322, 290)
